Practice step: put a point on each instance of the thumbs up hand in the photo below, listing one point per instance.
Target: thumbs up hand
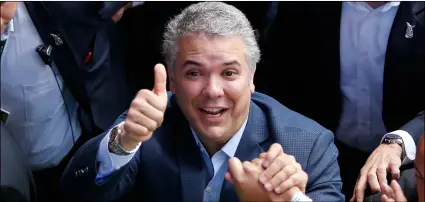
(146, 112)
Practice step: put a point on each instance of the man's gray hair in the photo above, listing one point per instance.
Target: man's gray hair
(211, 18)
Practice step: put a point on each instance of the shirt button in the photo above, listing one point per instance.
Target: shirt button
(209, 189)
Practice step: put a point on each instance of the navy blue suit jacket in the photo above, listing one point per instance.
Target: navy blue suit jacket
(169, 166)
(100, 85)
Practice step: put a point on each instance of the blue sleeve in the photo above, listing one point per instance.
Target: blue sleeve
(79, 182)
(324, 180)
(109, 162)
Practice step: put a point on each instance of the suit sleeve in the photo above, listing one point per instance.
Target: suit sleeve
(415, 127)
(78, 182)
(324, 180)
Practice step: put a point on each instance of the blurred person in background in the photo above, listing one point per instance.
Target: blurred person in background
(357, 68)
(62, 80)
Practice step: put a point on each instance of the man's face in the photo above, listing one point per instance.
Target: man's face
(213, 85)
(419, 163)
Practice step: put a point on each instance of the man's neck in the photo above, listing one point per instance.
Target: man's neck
(376, 4)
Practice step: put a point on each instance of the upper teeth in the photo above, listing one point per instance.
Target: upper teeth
(212, 109)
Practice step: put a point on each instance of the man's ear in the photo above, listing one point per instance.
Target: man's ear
(251, 81)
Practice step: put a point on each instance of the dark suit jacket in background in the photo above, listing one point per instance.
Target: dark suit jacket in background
(169, 166)
(301, 65)
(101, 85)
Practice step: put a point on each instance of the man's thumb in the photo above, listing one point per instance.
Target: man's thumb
(236, 169)
(160, 83)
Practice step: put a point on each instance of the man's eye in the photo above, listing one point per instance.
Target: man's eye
(229, 73)
(192, 73)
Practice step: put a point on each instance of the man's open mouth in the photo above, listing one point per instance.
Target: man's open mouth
(213, 111)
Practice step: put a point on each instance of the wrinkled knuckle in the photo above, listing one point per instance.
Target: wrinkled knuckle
(371, 174)
(280, 161)
(278, 146)
(292, 158)
(256, 161)
(382, 169)
(135, 104)
(143, 93)
(363, 172)
(298, 166)
(246, 164)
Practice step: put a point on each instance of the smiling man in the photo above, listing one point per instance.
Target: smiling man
(175, 146)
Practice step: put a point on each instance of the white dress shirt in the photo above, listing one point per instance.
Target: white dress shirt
(364, 35)
(38, 119)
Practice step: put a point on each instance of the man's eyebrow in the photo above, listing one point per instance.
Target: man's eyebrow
(190, 62)
(233, 62)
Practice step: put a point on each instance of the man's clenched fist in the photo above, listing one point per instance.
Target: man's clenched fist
(146, 112)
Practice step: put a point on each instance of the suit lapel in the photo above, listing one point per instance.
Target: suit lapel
(398, 69)
(254, 135)
(192, 170)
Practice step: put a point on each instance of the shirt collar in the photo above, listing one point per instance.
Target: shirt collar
(363, 6)
(230, 147)
(9, 29)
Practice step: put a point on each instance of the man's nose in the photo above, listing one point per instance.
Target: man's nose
(213, 88)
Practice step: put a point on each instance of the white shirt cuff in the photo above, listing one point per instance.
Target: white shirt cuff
(299, 196)
(9, 29)
(137, 3)
(408, 143)
(110, 162)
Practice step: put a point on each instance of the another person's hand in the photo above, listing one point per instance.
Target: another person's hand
(146, 112)
(8, 10)
(118, 15)
(393, 193)
(374, 172)
(282, 172)
(244, 176)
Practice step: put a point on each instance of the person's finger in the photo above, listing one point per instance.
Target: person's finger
(395, 170)
(274, 150)
(275, 166)
(398, 192)
(384, 198)
(148, 106)
(360, 188)
(262, 155)
(236, 169)
(136, 132)
(381, 173)
(295, 180)
(250, 169)
(143, 120)
(387, 190)
(280, 177)
(372, 179)
(257, 162)
(160, 85)
(353, 198)
(229, 178)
